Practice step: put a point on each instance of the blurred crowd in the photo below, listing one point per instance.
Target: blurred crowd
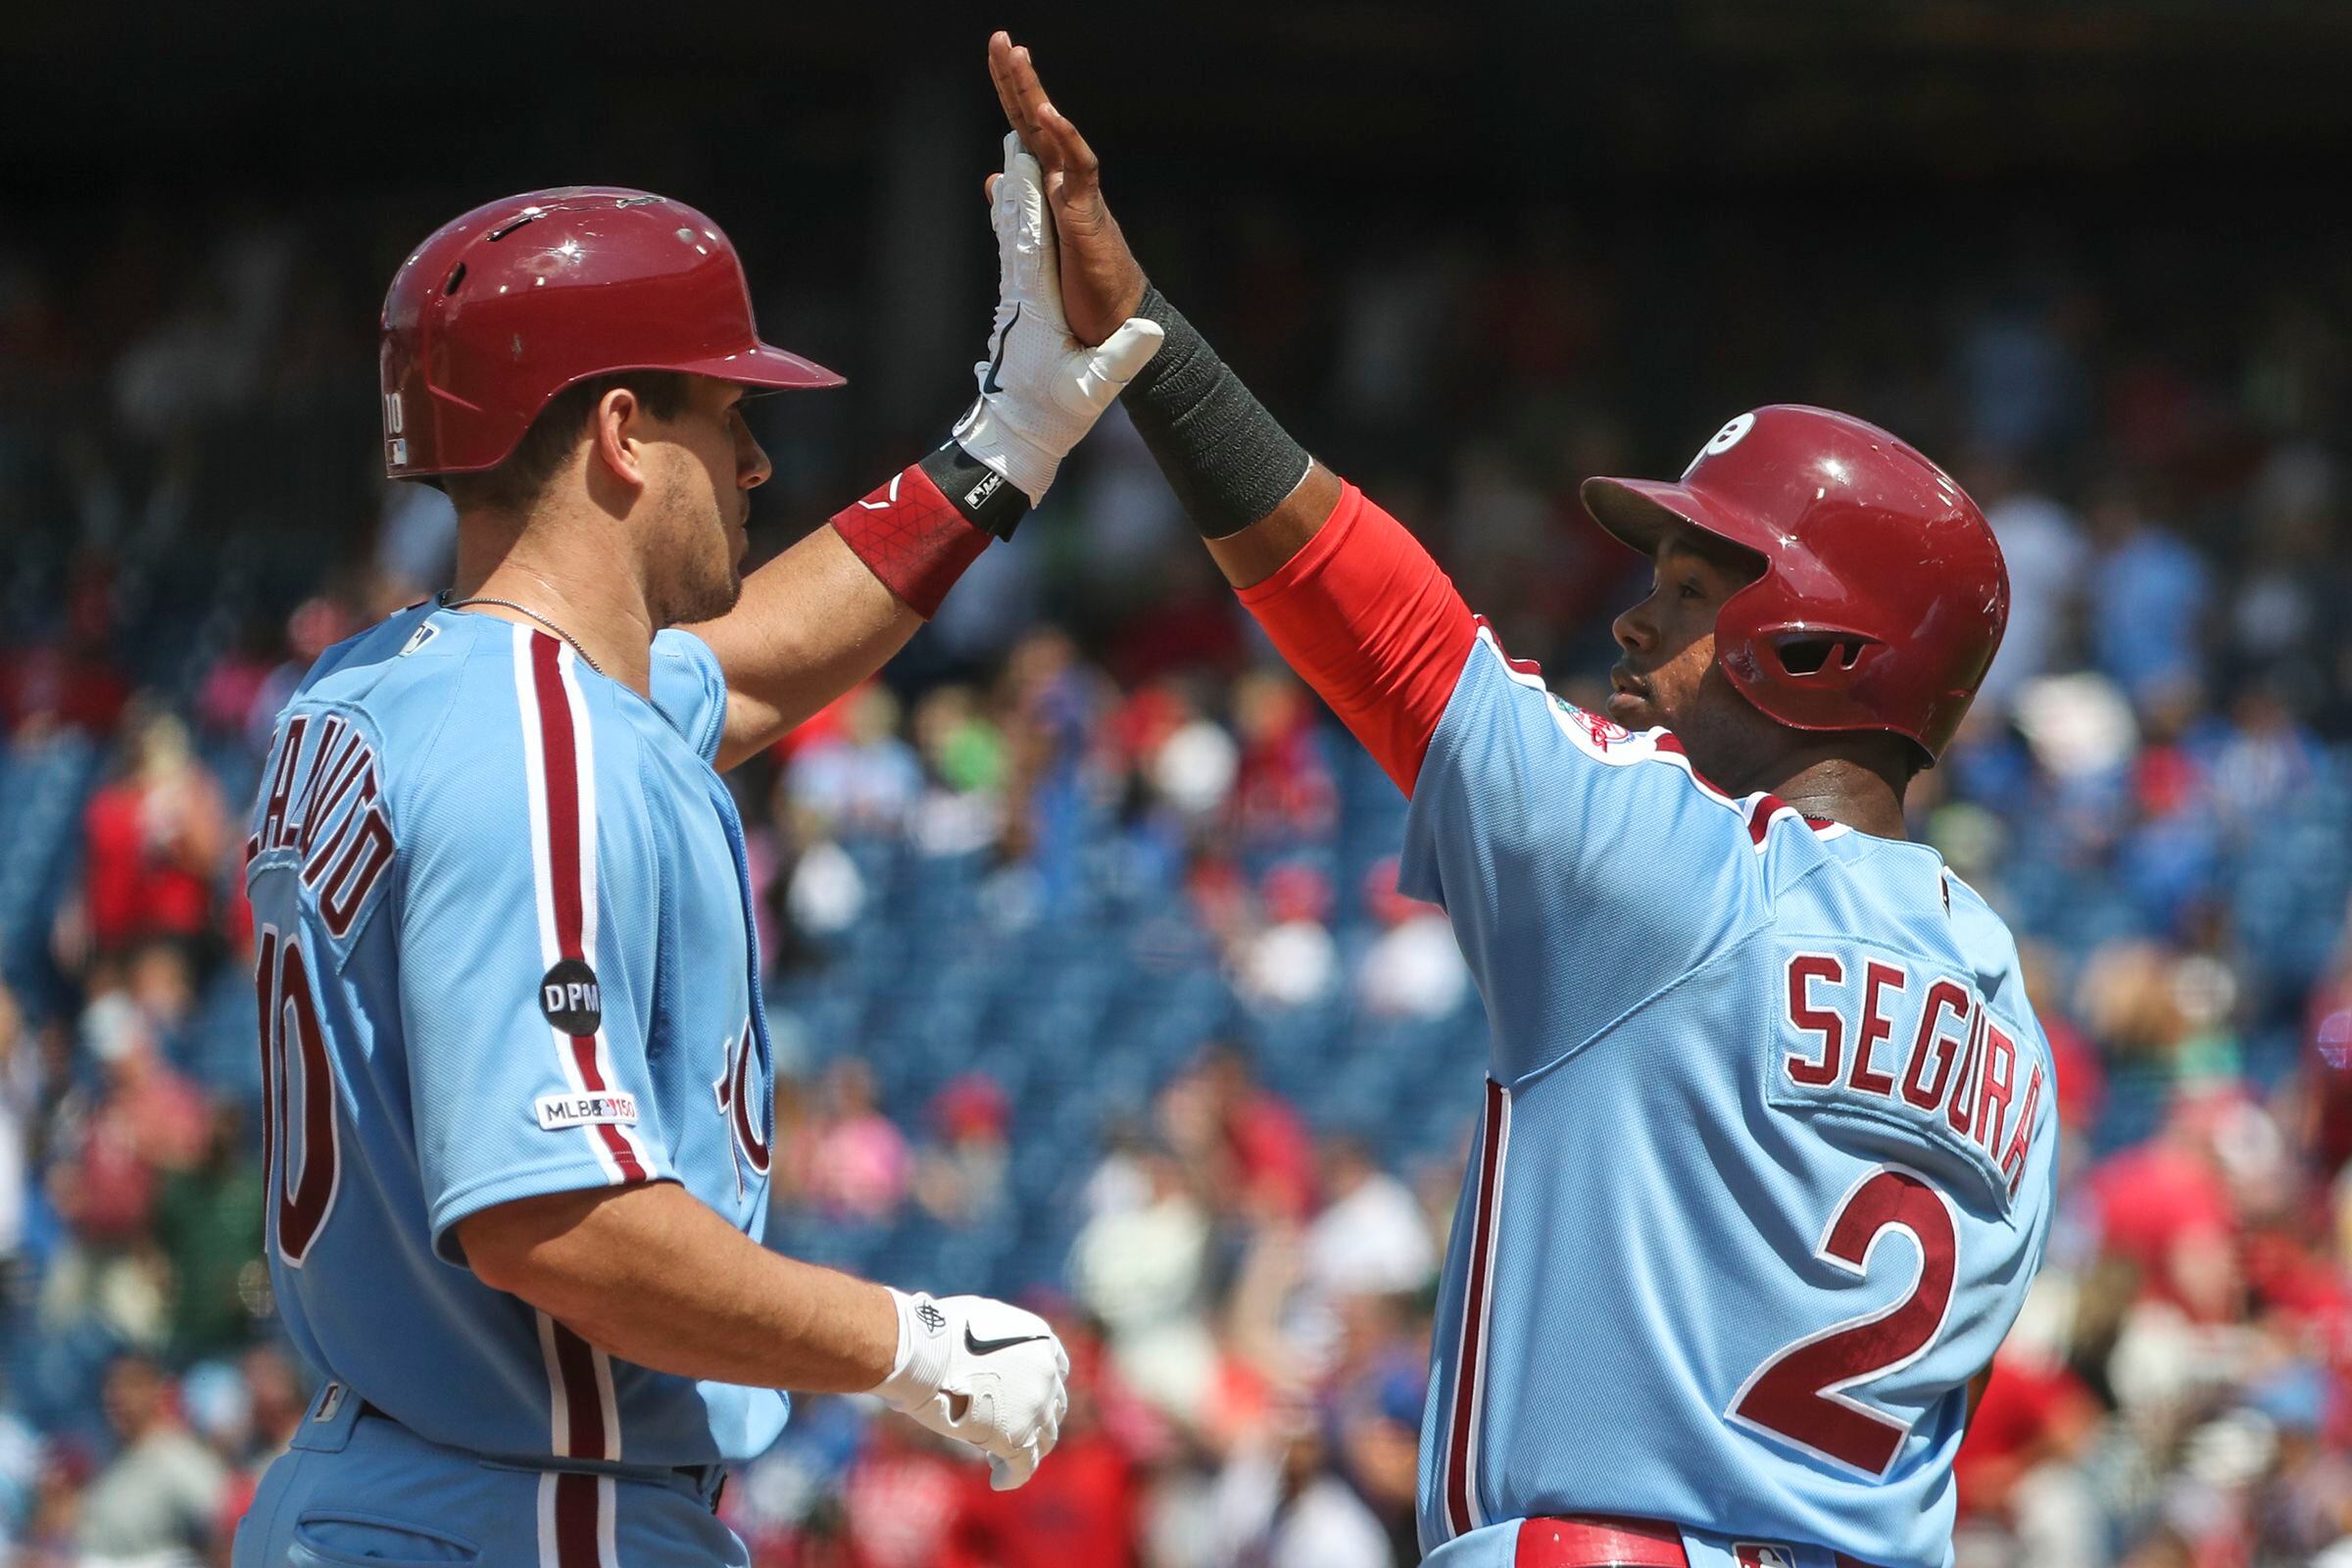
(1246, 1306)
(2155, 788)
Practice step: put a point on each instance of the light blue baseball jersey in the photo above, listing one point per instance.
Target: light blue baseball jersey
(505, 948)
(1767, 1157)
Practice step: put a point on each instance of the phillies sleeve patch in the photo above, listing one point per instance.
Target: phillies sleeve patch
(571, 998)
(558, 1112)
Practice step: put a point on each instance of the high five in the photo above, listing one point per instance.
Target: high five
(1767, 1143)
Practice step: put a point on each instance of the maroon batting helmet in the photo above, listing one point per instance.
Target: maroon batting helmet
(505, 307)
(1884, 594)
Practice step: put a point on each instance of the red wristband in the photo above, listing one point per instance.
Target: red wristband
(912, 538)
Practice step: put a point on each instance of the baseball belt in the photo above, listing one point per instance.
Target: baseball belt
(1589, 1543)
(708, 1480)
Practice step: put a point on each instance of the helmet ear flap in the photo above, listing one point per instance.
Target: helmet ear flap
(1739, 641)
(1800, 671)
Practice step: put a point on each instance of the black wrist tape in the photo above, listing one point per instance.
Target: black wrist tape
(988, 500)
(1228, 461)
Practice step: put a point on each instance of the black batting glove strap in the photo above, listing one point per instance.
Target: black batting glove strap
(988, 500)
(1228, 460)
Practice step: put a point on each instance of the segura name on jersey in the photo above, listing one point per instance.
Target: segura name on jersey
(1921, 1045)
(559, 1111)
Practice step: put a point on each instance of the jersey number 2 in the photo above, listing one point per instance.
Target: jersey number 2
(299, 1129)
(1799, 1395)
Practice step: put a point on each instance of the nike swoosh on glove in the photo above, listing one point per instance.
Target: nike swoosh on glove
(1040, 389)
(983, 1372)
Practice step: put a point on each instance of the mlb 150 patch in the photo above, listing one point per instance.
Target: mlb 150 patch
(558, 1112)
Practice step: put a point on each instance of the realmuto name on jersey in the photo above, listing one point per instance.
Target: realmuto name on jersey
(1880, 1030)
(323, 804)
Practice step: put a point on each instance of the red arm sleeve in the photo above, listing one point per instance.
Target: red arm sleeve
(1367, 619)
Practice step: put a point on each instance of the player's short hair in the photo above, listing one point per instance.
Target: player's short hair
(514, 484)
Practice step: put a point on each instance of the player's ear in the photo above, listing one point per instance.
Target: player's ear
(615, 436)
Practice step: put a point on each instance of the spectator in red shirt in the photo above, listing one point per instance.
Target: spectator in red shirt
(1283, 791)
(961, 1176)
(899, 1498)
(74, 682)
(1259, 1154)
(2033, 1411)
(2165, 1204)
(156, 839)
(1081, 1511)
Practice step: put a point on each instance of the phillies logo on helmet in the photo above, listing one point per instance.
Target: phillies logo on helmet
(1723, 440)
(1750, 1554)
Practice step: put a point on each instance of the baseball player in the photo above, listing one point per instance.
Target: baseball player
(1767, 1152)
(514, 1055)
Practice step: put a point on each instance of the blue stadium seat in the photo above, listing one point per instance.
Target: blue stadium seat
(42, 791)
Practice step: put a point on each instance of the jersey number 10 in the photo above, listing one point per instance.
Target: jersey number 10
(295, 1078)
(1798, 1394)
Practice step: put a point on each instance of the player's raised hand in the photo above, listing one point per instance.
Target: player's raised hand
(1040, 388)
(982, 1372)
(1102, 282)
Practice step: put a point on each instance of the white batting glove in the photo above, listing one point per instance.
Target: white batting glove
(1040, 389)
(1002, 1367)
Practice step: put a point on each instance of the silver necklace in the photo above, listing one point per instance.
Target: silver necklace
(446, 603)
